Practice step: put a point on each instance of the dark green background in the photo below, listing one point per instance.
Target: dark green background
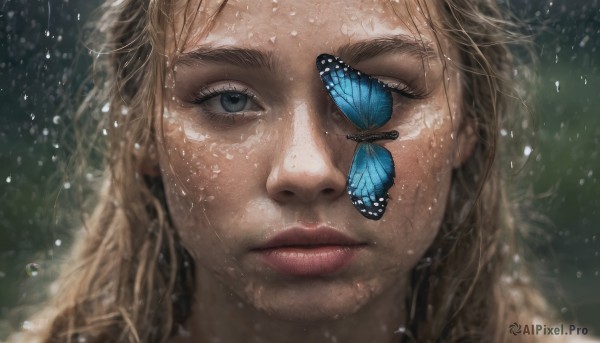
(37, 72)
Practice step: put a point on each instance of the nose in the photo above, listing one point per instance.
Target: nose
(304, 167)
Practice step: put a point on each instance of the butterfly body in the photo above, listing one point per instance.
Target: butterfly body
(371, 137)
(367, 103)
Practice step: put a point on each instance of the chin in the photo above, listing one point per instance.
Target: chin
(313, 301)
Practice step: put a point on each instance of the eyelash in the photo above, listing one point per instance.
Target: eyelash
(407, 91)
(206, 94)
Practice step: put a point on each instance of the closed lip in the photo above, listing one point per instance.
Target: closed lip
(308, 252)
(308, 237)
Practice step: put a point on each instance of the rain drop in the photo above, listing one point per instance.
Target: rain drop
(557, 85)
(106, 108)
(8, 179)
(47, 55)
(58, 242)
(579, 274)
(32, 269)
(67, 185)
(47, 33)
(56, 120)
(527, 150)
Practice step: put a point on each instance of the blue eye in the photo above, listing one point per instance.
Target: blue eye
(228, 103)
(233, 101)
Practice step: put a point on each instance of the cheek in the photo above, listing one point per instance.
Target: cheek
(423, 174)
(208, 184)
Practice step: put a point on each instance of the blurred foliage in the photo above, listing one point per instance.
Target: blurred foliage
(39, 41)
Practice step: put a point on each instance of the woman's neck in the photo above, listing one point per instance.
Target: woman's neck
(220, 316)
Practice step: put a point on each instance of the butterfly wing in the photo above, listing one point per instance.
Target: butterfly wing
(371, 176)
(363, 99)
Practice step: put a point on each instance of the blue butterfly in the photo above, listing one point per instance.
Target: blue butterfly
(367, 103)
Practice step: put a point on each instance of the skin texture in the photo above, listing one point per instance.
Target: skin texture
(232, 182)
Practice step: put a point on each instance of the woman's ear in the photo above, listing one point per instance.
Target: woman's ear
(467, 139)
(148, 164)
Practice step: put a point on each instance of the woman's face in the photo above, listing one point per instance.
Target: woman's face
(255, 157)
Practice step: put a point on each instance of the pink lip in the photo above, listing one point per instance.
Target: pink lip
(302, 251)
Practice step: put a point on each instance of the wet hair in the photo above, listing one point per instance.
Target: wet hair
(128, 278)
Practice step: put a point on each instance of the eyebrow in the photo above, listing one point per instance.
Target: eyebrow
(245, 58)
(366, 49)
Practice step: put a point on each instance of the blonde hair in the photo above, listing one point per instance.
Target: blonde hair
(129, 280)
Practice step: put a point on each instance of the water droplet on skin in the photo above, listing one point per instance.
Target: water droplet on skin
(294, 33)
(272, 39)
(32, 269)
(229, 156)
(28, 326)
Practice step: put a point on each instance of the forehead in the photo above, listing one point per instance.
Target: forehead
(302, 25)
